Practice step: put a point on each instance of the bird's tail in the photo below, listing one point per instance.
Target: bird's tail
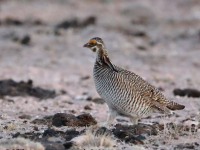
(160, 108)
(175, 106)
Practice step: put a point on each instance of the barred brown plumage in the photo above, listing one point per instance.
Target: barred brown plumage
(125, 92)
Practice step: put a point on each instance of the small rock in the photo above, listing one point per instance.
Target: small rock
(135, 133)
(47, 120)
(68, 145)
(75, 23)
(44, 140)
(35, 128)
(63, 119)
(16, 22)
(28, 135)
(12, 21)
(70, 134)
(12, 88)
(25, 117)
(86, 120)
(187, 92)
(85, 77)
(25, 40)
(87, 107)
(161, 89)
(186, 146)
(63, 92)
(52, 133)
(141, 47)
(140, 34)
(72, 111)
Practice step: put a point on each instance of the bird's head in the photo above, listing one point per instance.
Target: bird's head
(95, 44)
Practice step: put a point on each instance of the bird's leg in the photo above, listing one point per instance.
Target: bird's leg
(134, 120)
(111, 117)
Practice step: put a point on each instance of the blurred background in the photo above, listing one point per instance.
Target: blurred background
(43, 41)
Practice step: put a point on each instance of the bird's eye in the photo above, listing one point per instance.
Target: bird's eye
(94, 49)
(93, 42)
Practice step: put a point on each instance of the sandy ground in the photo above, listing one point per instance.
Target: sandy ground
(157, 39)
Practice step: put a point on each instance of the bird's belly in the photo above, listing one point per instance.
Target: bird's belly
(118, 97)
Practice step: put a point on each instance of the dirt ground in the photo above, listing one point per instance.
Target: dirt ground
(41, 44)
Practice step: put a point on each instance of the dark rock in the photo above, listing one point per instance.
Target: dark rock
(75, 23)
(47, 120)
(141, 47)
(67, 24)
(97, 100)
(138, 33)
(12, 21)
(16, 135)
(87, 107)
(25, 117)
(35, 128)
(135, 133)
(16, 22)
(187, 92)
(85, 77)
(28, 135)
(63, 92)
(88, 21)
(89, 98)
(181, 129)
(52, 132)
(25, 121)
(70, 134)
(72, 111)
(62, 119)
(13, 88)
(86, 120)
(25, 40)
(44, 139)
(187, 146)
(161, 89)
(37, 22)
(68, 145)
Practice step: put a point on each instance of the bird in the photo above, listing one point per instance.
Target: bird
(125, 92)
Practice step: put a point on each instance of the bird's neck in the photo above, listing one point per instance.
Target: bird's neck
(100, 54)
(102, 59)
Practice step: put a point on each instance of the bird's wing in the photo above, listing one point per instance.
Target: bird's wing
(150, 93)
(159, 101)
(156, 103)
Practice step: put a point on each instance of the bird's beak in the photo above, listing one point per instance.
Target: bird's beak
(86, 45)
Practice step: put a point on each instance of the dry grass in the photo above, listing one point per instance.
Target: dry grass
(91, 140)
(20, 143)
(173, 134)
(95, 139)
